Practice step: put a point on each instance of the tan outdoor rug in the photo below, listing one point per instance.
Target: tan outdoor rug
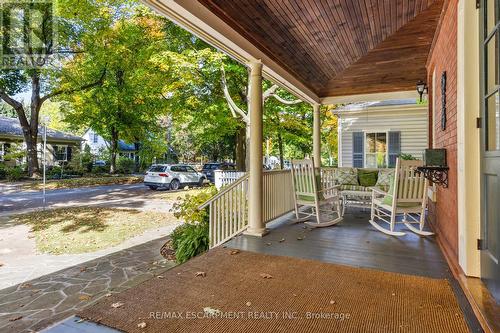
(251, 292)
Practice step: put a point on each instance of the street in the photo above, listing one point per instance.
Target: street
(130, 196)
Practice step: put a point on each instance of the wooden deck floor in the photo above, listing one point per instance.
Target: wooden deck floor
(354, 242)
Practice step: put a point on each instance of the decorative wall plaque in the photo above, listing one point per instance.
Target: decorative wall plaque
(443, 101)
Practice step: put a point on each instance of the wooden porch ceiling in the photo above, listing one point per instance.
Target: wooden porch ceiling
(339, 47)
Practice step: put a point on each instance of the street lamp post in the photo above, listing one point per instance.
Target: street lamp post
(45, 121)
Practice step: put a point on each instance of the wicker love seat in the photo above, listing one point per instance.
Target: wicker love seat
(355, 184)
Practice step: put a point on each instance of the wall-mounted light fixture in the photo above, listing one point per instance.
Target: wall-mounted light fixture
(421, 89)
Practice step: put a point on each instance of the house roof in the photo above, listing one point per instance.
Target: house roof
(123, 146)
(12, 128)
(369, 105)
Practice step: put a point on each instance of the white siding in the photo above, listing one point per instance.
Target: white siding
(95, 147)
(411, 121)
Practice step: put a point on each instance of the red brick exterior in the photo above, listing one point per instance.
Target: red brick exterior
(443, 57)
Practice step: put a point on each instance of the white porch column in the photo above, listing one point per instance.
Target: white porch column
(316, 135)
(256, 226)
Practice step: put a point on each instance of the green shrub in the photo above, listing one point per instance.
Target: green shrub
(53, 172)
(125, 165)
(100, 169)
(192, 241)
(3, 172)
(14, 174)
(191, 238)
(408, 157)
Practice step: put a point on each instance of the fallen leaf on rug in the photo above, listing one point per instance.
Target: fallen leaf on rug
(117, 305)
(211, 311)
(282, 240)
(84, 297)
(233, 252)
(266, 276)
(202, 274)
(142, 325)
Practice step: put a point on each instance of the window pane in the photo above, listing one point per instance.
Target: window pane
(491, 16)
(371, 161)
(381, 160)
(491, 69)
(381, 142)
(493, 123)
(370, 142)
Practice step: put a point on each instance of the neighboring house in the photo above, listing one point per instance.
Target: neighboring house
(129, 150)
(97, 144)
(373, 134)
(60, 145)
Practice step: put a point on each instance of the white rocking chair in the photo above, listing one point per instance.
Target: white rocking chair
(309, 194)
(409, 198)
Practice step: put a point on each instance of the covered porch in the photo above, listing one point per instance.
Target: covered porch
(324, 52)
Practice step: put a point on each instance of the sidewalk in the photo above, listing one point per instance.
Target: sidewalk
(36, 304)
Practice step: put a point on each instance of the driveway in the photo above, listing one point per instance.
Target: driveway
(131, 196)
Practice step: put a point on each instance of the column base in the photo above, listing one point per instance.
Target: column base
(261, 232)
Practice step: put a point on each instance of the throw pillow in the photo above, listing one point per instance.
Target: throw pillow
(367, 178)
(384, 177)
(347, 177)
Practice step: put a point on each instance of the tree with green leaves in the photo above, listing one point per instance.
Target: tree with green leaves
(128, 103)
(67, 24)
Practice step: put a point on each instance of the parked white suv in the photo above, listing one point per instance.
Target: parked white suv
(172, 176)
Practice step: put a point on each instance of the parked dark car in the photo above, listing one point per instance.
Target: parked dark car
(209, 168)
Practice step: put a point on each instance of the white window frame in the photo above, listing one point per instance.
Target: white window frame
(55, 147)
(386, 148)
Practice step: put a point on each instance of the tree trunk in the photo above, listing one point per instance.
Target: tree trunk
(280, 148)
(114, 150)
(32, 154)
(241, 149)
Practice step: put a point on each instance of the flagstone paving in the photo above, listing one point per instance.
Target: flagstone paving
(36, 304)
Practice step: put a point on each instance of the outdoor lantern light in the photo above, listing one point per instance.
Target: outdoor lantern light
(421, 88)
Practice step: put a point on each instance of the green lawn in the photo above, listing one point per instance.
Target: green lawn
(81, 182)
(88, 229)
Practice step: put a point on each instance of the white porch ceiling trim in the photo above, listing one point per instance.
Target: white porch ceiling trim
(194, 17)
(370, 97)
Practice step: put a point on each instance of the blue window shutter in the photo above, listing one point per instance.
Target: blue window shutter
(394, 147)
(358, 151)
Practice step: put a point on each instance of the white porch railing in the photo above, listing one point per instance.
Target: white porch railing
(228, 212)
(278, 194)
(224, 178)
(229, 209)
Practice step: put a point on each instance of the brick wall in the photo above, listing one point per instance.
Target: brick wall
(443, 57)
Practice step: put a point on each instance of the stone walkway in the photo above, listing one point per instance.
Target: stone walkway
(36, 304)
(21, 262)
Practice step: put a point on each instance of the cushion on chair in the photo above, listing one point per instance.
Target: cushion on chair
(353, 188)
(347, 177)
(367, 177)
(388, 198)
(383, 178)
